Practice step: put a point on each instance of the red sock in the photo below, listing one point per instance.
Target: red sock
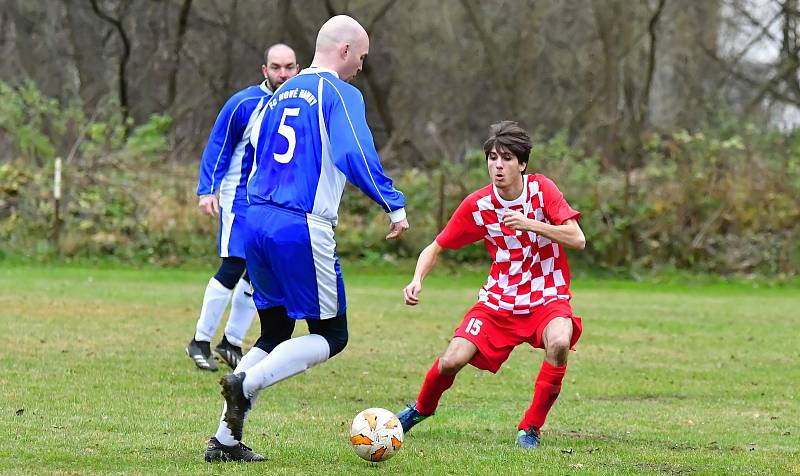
(546, 390)
(432, 389)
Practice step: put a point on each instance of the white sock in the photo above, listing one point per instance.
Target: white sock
(243, 309)
(251, 358)
(214, 303)
(287, 359)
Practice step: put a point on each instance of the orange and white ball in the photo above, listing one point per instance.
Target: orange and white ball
(376, 434)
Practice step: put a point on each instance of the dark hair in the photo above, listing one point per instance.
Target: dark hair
(510, 136)
(269, 48)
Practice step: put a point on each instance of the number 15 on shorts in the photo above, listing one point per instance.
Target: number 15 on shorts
(473, 326)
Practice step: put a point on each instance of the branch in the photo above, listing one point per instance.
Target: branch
(651, 60)
(303, 35)
(379, 16)
(183, 20)
(330, 9)
(788, 68)
(789, 46)
(491, 48)
(379, 93)
(81, 135)
(732, 72)
(753, 21)
(764, 32)
(126, 53)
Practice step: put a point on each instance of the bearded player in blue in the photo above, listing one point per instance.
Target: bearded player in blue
(226, 165)
(313, 138)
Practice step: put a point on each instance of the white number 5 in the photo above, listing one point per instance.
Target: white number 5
(286, 131)
(473, 326)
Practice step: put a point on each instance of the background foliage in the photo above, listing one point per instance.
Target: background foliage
(722, 202)
(670, 124)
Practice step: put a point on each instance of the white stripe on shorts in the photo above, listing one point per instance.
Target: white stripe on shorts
(225, 231)
(323, 248)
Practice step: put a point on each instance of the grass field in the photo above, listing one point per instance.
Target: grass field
(666, 380)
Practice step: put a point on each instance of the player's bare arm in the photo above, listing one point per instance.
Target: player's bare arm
(209, 205)
(425, 263)
(568, 234)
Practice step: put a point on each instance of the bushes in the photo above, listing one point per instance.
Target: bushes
(715, 204)
(723, 201)
(116, 185)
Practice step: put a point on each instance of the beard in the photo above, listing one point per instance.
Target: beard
(271, 85)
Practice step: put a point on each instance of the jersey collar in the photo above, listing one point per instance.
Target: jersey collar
(317, 69)
(523, 197)
(264, 87)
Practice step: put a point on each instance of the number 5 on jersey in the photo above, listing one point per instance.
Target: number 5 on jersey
(473, 326)
(288, 132)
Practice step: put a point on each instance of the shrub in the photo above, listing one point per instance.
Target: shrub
(721, 201)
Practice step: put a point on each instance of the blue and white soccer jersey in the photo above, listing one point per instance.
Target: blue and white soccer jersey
(227, 162)
(313, 138)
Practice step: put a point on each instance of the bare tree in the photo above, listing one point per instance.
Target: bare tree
(172, 82)
(606, 71)
(122, 77)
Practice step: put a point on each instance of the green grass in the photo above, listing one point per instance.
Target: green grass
(666, 380)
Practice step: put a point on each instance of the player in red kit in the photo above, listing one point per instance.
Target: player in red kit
(524, 222)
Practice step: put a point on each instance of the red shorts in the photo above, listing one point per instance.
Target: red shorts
(495, 334)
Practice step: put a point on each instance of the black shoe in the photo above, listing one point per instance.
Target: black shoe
(200, 353)
(229, 353)
(216, 451)
(237, 403)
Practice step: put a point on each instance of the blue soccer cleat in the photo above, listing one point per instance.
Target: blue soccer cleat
(410, 417)
(528, 439)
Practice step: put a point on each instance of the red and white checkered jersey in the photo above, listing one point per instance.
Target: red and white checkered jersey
(528, 270)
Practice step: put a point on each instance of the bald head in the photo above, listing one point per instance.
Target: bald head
(342, 45)
(340, 29)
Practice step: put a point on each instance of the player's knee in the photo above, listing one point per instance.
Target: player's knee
(333, 330)
(558, 347)
(337, 342)
(268, 343)
(230, 271)
(557, 335)
(276, 327)
(451, 364)
(336, 334)
(560, 343)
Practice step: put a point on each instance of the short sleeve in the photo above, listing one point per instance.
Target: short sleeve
(461, 229)
(556, 208)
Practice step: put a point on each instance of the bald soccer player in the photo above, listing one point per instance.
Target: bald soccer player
(313, 138)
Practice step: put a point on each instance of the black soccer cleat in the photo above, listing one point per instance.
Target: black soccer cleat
(237, 404)
(216, 451)
(229, 353)
(200, 353)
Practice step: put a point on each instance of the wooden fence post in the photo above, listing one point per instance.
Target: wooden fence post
(57, 204)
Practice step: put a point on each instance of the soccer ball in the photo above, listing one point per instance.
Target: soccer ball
(376, 434)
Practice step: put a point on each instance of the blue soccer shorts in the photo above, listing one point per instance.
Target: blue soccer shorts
(292, 262)
(232, 234)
